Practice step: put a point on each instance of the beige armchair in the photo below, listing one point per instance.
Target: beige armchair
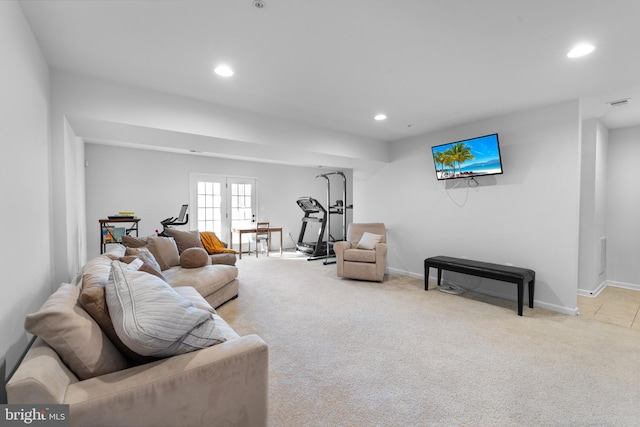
(362, 260)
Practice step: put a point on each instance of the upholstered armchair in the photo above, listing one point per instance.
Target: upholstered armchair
(363, 255)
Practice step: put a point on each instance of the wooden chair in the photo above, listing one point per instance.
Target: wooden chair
(262, 235)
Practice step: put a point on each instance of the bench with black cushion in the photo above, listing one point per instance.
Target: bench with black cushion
(505, 273)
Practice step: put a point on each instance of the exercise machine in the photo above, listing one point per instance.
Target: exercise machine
(314, 212)
(338, 208)
(181, 219)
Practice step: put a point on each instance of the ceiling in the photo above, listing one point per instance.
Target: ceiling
(336, 63)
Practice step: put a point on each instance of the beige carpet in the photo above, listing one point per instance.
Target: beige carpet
(350, 353)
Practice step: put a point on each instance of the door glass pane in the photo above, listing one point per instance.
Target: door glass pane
(209, 215)
(222, 203)
(242, 205)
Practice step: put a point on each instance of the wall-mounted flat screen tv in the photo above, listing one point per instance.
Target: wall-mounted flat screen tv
(468, 158)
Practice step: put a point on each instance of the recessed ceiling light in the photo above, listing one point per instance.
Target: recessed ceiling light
(581, 50)
(380, 117)
(223, 70)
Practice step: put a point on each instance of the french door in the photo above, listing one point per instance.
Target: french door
(220, 203)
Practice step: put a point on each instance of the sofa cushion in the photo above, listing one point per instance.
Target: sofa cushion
(369, 240)
(145, 266)
(194, 258)
(360, 255)
(94, 300)
(194, 296)
(185, 239)
(164, 250)
(144, 254)
(98, 266)
(115, 251)
(133, 241)
(206, 280)
(152, 319)
(74, 335)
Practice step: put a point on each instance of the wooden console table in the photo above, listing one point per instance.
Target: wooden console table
(106, 227)
(252, 230)
(505, 273)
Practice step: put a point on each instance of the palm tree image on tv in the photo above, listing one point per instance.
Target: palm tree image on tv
(479, 156)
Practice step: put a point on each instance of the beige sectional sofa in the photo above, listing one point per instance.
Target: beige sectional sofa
(79, 360)
(216, 281)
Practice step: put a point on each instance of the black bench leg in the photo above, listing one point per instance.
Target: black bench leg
(531, 289)
(426, 276)
(520, 297)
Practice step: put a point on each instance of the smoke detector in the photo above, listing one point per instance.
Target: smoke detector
(619, 102)
(259, 4)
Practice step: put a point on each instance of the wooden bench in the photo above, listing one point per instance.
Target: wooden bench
(505, 273)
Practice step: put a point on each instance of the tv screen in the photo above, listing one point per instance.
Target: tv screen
(468, 158)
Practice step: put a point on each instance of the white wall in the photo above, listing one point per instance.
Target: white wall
(527, 217)
(25, 259)
(155, 184)
(592, 267)
(623, 208)
(111, 113)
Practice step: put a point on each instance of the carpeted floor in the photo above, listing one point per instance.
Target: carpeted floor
(351, 353)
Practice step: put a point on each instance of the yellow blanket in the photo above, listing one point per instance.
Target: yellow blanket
(212, 244)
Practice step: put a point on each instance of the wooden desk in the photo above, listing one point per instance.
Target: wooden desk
(106, 230)
(253, 230)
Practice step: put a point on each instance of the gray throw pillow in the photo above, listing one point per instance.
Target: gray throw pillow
(185, 239)
(152, 319)
(165, 251)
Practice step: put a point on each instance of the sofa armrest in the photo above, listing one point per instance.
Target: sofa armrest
(223, 258)
(340, 247)
(222, 385)
(41, 377)
(381, 253)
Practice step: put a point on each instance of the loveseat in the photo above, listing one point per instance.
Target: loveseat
(129, 372)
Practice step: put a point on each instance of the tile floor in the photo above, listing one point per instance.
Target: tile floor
(613, 305)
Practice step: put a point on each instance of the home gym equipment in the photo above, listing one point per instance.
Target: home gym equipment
(315, 212)
(181, 219)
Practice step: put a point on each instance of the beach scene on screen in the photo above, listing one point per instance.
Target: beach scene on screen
(469, 158)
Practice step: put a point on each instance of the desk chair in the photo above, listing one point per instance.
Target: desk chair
(262, 235)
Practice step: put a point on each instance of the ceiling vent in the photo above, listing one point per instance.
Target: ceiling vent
(619, 102)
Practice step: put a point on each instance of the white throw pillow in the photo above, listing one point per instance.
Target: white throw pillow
(135, 264)
(152, 319)
(368, 240)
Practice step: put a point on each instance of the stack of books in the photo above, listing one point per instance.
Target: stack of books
(123, 215)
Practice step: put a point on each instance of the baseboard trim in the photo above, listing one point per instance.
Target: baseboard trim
(594, 293)
(632, 286)
(557, 308)
(404, 273)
